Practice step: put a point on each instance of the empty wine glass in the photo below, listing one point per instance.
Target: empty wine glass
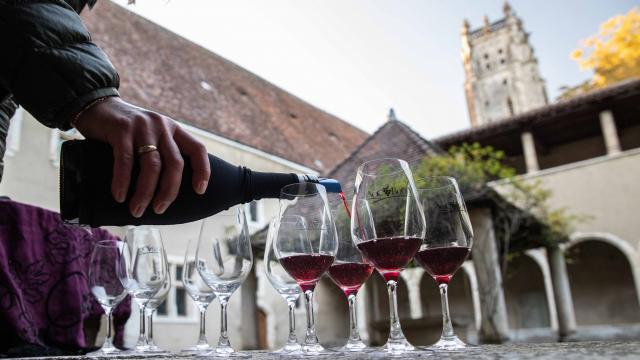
(387, 225)
(146, 270)
(350, 270)
(446, 245)
(106, 263)
(306, 246)
(224, 259)
(284, 284)
(199, 292)
(151, 308)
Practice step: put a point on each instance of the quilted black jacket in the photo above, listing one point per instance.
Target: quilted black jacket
(48, 64)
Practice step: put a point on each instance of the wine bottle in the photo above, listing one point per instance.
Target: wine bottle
(86, 170)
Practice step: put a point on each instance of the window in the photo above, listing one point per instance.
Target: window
(504, 82)
(254, 214)
(178, 305)
(510, 106)
(486, 56)
(499, 51)
(501, 61)
(486, 103)
(488, 66)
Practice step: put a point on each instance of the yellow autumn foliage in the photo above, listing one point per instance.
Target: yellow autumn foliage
(614, 52)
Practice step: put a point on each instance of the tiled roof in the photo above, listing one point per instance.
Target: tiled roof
(393, 139)
(169, 74)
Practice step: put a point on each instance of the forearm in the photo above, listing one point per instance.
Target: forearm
(51, 67)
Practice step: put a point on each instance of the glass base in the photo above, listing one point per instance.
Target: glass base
(317, 350)
(395, 348)
(355, 346)
(452, 343)
(223, 352)
(197, 349)
(288, 350)
(154, 350)
(105, 351)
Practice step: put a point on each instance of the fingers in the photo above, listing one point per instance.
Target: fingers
(198, 157)
(122, 165)
(150, 167)
(171, 176)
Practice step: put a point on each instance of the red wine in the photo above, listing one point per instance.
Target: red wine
(442, 262)
(307, 269)
(390, 255)
(350, 276)
(344, 202)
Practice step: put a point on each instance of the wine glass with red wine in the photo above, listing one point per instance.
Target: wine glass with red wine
(387, 225)
(446, 244)
(350, 270)
(306, 246)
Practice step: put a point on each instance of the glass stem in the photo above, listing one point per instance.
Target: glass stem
(141, 338)
(311, 338)
(291, 303)
(107, 341)
(224, 337)
(150, 327)
(202, 338)
(447, 327)
(395, 333)
(354, 334)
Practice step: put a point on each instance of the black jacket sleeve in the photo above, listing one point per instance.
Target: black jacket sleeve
(48, 62)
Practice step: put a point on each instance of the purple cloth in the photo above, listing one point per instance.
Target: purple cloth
(44, 295)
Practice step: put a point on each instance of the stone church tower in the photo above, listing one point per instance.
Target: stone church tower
(501, 70)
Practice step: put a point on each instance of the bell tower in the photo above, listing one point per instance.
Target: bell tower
(502, 78)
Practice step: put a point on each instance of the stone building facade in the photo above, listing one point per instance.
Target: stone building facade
(502, 78)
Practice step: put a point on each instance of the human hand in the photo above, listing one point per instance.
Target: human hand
(126, 128)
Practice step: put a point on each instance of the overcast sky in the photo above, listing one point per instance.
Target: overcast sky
(357, 58)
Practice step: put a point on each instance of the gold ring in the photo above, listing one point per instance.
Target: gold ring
(146, 148)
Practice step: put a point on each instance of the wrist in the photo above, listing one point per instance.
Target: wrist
(79, 117)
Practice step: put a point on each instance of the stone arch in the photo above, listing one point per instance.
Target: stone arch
(630, 253)
(526, 294)
(603, 283)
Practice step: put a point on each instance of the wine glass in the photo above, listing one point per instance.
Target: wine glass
(199, 292)
(387, 225)
(446, 245)
(224, 259)
(284, 284)
(350, 270)
(151, 308)
(106, 260)
(306, 246)
(146, 271)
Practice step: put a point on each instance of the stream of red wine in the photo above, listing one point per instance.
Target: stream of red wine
(344, 202)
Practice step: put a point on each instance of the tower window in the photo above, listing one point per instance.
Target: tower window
(504, 82)
(486, 56)
(488, 66)
(510, 106)
(499, 51)
(486, 103)
(501, 61)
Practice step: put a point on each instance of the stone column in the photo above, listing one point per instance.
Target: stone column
(413, 277)
(562, 293)
(249, 312)
(529, 151)
(494, 327)
(609, 132)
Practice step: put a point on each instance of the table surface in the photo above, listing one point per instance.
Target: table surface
(570, 350)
